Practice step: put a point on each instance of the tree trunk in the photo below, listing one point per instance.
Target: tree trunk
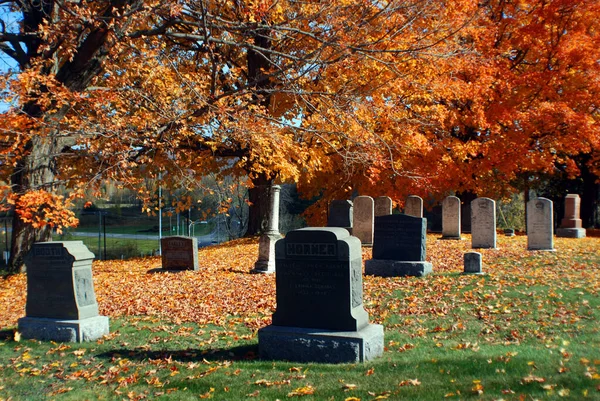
(36, 171)
(259, 205)
(589, 198)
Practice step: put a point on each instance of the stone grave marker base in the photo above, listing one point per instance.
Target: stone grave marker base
(395, 268)
(266, 253)
(451, 237)
(570, 232)
(317, 345)
(60, 330)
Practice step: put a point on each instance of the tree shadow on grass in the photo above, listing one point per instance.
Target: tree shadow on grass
(239, 353)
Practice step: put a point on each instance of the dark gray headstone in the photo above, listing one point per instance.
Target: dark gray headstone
(399, 247)
(340, 214)
(320, 315)
(61, 303)
(319, 280)
(400, 237)
(472, 263)
(59, 281)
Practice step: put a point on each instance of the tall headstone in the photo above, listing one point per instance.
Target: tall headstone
(414, 206)
(570, 225)
(362, 226)
(179, 252)
(61, 303)
(383, 206)
(540, 225)
(266, 243)
(472, 263)
(451, 218)
(483, 223)
(340, 214)
(399, 247)
(320, 315)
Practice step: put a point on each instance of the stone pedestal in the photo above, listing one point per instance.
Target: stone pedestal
(320, 315)
(570, 225)
(266, 243)
(397, 268)
(59, 330)
(61, 303)
(324, 346)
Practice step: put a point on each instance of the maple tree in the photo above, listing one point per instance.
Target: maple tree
(172, 90)
(379, 98)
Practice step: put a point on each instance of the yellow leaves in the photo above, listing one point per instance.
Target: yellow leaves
(302, 391)
(40, 208)
(208, 394)
(409, 382)
(17, 336)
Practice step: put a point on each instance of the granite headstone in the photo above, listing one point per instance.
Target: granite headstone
(483, 223)
(451, 218)
(61, 303)
(399, 247)
(383, 206)
(179, 253)
(414, 206)
(540, 225)
(320, 315)
(362, 226)
(340, 214)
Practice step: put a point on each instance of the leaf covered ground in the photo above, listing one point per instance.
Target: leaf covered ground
(527, 330)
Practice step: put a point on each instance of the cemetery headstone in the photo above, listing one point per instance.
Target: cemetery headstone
(61, 303)
(483, 223)
(179, 253)
(399, 247)
(362, 226)
(266, 243)
(451, 218)
(472, 263)
(540, 225)
(320, 315)
(414, 206)
(340, 214)
(570, 225)
(383, 206)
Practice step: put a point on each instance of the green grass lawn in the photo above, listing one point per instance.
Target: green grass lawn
(529, 330)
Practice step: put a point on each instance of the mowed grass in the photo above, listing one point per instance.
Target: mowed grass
(527, 330)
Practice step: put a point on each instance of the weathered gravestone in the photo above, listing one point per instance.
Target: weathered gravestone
(451, 218)
(570, 225)
(399, 247)
(320, 315)
(179, 253)
(414, 206)
(540, 225)
(383, 206)
(61, 303)
(340, 214)
(472, 263)
(270, 235)
(362, 227)
(483, 223)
